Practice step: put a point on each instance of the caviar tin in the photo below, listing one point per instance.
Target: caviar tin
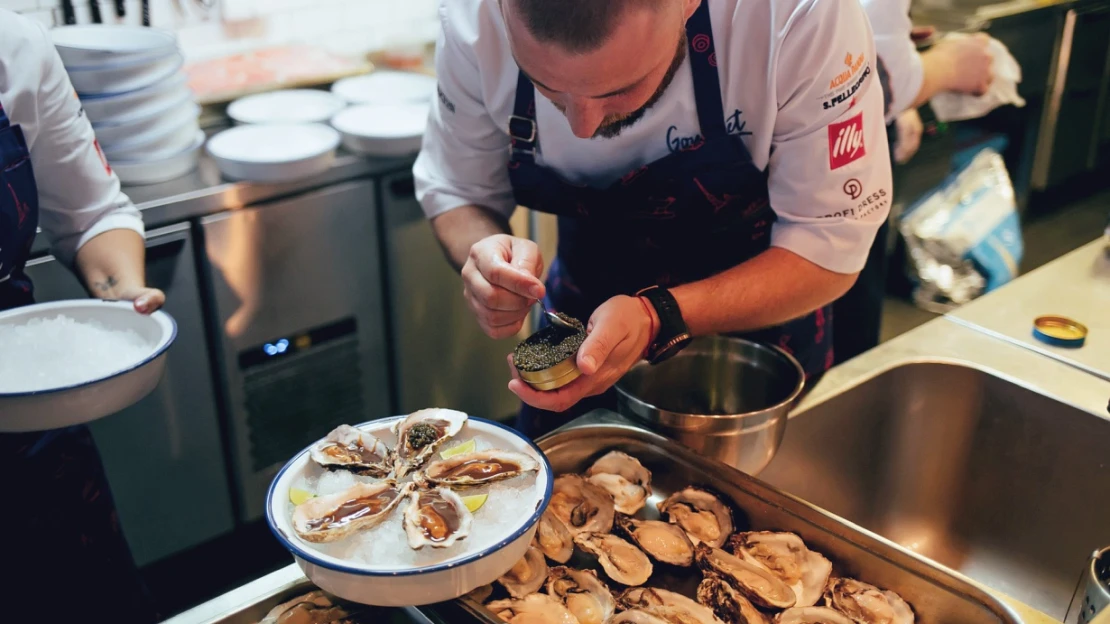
(561, 372)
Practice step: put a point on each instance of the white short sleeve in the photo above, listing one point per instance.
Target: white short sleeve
(829, 170)
(465, 152)
(890, 19)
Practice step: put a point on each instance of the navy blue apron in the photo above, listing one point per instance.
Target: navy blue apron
(65, 558)
(685, 217)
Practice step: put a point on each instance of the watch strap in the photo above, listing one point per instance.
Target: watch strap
(672, 327)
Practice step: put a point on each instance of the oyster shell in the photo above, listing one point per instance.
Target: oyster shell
(420, 434)
(729, 604)
(786, 556)
(436, 518)
(582, 506)
(316, 606)
(348, 448)
(703, 516)
(623, 562)
(664, 542)
(532, 609)
(527, 575)
(335, 516)
(647, 597)
(624, 477)
(812, 615)
(660, 615)
(481, 593)
(553, 537)
(585, 595)
(759, 585)
(867, 604)
(478, 468)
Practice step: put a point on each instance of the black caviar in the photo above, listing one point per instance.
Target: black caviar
(422, 435)
(549, 346)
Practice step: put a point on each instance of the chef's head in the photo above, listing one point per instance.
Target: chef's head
(601, 62)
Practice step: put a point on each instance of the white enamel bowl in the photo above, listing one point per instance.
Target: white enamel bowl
(122, 77)
(156, 97)
(286, 106)
(140, 129)
(274, 152)
(84, 402)
(383, 129)
(81, 46)
(399, 587)
(153, 169)
(386, 87)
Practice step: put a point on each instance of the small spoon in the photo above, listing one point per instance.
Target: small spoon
(555, 319)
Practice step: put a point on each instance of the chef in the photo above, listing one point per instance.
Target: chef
(64, 555)
(717, 167)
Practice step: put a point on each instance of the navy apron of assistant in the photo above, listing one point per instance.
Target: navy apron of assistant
(685, 217)
(66, 534)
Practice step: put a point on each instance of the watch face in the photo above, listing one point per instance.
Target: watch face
(671, 349)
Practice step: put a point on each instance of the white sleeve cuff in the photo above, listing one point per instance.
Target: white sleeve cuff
(66, 249)
(838, 247)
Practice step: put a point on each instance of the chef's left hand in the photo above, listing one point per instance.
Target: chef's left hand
(146, 300)
(618, 334)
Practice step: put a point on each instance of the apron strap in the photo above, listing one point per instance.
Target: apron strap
(703, 66)
(4, 121)
(522, 124)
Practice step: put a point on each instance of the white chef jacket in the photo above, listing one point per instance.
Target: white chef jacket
(890, 19)
(799, 84)
(79, 196)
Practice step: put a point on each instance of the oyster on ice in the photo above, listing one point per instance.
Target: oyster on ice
(585, 595)
(729, 604)
(662, 541)
(335, 516)
(755, 582)
(532, 609)
(527, 575)
(867, 604)
(348, 448)
(436, 518)
(704, 517)
(647, 597)
(624, 477)
(786, 556)
(553, 537)
(812, 615)
(582, 506)
(478, 468)
(623, 562)
(420, 434)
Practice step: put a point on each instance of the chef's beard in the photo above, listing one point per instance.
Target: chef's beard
(612, 125)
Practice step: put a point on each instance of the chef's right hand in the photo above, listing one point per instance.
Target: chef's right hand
(970, 62)
(501, 282)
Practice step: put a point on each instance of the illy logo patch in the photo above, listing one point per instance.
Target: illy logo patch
(846, 142)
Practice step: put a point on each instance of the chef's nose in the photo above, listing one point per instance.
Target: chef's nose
(584, 116)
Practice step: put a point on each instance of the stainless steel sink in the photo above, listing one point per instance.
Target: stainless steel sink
(997, 481)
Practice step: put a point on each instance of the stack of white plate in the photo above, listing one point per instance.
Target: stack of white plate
(134, 93)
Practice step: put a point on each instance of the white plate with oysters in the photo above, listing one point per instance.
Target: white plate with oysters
(410, 510)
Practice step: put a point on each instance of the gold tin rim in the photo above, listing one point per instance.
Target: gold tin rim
(1052, 323)
(554, 377)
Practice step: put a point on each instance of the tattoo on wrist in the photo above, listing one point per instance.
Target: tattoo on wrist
(108, 284)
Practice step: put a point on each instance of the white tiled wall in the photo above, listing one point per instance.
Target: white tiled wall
(346, 26)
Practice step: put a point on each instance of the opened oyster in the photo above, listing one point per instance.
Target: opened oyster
(704, 517)
(436, 518)
(553, 537)
(647, 597)
(333, 517)
(478, 468)
(867, 604)
(532, 609)
(527, 575)
(624, 477)
(660, 615)
(582, 506)
(317, 607)
(812, 615)
(786, 556)
(623, 562)
(755, 582)
(664, 542)
(729, 604)
(585, 595)
(347, 448)
(420, 434)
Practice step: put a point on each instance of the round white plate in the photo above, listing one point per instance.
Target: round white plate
(135, 130)
(386, 87)
(383, 129)
(152, 169)
(274, 152)
(287, 106)
(119, 78)
(82, 46)
(158, 96)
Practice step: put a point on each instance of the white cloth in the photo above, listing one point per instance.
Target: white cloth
(79, 196)
(794, 73)
(890, 19)
(949, 106)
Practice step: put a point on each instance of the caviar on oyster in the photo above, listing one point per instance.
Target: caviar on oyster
(585, 595)
(582, 506)
(477, 468)
(333, 517)
(786, 556)
(662, 541)
(647, 597)
(549, 346)
(624, 477)
(436, 518)
(526, 576)
(420, 434)
(348, 448)
(704, 516)
(622, 561)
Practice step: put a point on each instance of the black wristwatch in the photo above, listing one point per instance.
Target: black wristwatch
(673, 334)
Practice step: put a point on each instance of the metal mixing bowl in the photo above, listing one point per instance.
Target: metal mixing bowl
(727, 398)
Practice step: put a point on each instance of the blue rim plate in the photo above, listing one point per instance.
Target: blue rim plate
(315, 559)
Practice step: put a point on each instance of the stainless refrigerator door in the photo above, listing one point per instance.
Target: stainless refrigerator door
(297, 293)
(163, 455)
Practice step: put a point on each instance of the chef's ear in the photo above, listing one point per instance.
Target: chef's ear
(688, 8)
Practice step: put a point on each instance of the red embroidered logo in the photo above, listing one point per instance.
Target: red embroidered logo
(846, 142)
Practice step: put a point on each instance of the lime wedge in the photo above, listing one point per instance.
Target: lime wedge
(298, 496)
(475, 502)
(466, 447)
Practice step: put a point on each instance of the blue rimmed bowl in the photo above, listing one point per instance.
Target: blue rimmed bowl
(390, 586)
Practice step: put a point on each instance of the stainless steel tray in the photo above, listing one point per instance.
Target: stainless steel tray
(936, 596)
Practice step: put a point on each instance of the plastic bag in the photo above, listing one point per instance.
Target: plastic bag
(951, 106)
(964, 238)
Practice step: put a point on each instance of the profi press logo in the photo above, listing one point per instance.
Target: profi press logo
(846, 142)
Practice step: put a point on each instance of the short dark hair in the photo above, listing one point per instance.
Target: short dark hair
(575, 25)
